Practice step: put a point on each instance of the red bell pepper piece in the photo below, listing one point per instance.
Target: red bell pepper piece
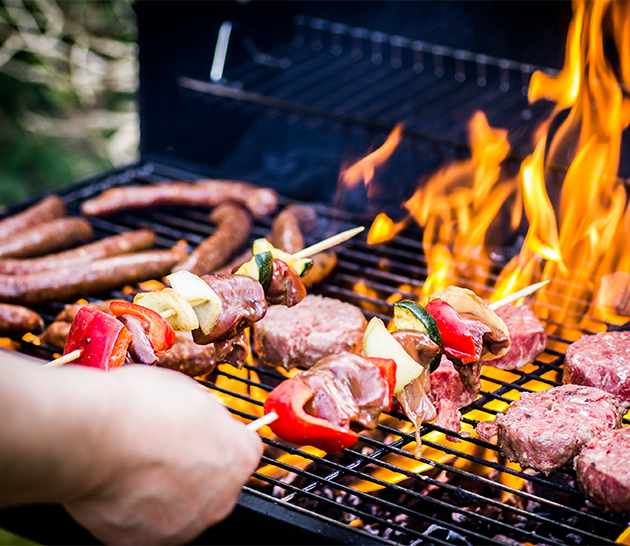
(103, 340)
(456, 337)
(295, 425)
(387, 367)
(161, 333)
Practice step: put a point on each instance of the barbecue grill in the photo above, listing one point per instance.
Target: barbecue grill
(284, 106)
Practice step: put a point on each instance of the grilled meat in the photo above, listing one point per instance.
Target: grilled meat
(546, 430)
(601, 360)
(98, 276)
(243, 304)
(527, 337)
(313, 329)
(448, 394)
(188, 357)
(202, 193)
(16, 320)
(234, 225)
(130, 241)
(347, 388)
(46, 210)
(45, 238)
(602, 472)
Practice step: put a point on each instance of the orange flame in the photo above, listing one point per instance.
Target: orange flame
(363, 170)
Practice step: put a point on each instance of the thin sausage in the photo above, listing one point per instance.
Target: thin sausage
(288, 226)
(203, 193)
(46, 238)
(47, 209)
(71, 283)
(234, 226)
(55, 335)
(130, 241)
(16, 320)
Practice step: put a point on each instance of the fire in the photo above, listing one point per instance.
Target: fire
(363, 170)
(575, 239)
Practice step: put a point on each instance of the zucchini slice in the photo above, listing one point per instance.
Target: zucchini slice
(259, 268)
(300, 265)
(409, 315)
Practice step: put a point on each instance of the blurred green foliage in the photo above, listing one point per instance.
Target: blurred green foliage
(9, 539)
(68, 74)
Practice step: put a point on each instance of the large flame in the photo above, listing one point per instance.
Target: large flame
(578, 238)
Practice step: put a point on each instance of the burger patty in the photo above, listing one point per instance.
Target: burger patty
(600, 360)
(602, 472)
(527, 337)
(545, 430)
(313, 329)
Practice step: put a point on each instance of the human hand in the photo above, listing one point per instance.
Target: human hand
(171, 464)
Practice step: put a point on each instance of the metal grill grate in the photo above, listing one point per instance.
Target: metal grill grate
(456, 493)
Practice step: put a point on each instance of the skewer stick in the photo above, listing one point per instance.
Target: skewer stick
(73, 355)
(517, 295)
(262, 421)
(329, 243)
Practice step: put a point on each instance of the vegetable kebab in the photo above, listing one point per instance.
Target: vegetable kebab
(325, 405)
(215, 308)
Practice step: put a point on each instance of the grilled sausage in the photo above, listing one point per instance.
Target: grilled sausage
(55, 335)
(46, 238)
(16, 320)
(286, 233)
(203, 193)
(110, 246)
(288, 226)
(70, 283)
(234, 226)
(47, 209)
(70, 311)
(188, 357)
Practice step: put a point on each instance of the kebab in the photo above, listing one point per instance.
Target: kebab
(212, 307)
(418, 332)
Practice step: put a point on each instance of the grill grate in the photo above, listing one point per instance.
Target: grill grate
(456, 493)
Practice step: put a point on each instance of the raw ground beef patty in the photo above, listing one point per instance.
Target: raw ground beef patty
(602, 470)
(545, 430)
(601, 360)
(303, 334)
(527, 337)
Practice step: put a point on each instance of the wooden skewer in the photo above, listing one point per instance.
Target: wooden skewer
(262, 421)
(328, 243)
(517, 295)
(72, 355)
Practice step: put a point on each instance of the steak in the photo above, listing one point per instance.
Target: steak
(546, 430)
(600, 360)
(602, 472)
(448, 394)
(527, 336)
(309, 331)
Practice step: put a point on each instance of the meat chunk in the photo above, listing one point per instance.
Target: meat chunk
(448, 395)
(546, 430)
(527, 336)
(348, 388)
(602, 472)
(601, 360)
(302, 335)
